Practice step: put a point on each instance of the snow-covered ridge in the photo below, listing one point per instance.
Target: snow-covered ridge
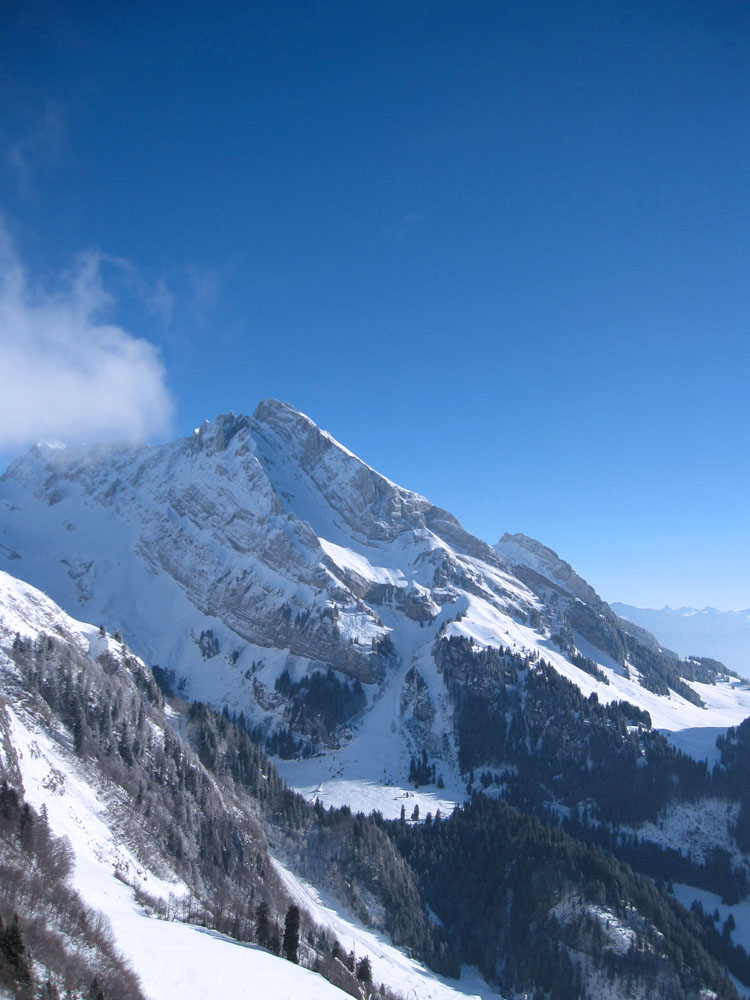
(520, 550)
(26, 611)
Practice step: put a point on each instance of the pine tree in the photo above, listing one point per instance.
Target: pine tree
(263, 925)
(13, 949)
(95, 990)
(291, 933)
(364, 970)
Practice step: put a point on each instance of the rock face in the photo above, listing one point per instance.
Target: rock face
(529, 555)
(292, 555)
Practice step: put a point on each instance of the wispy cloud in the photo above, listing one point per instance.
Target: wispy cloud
(65, 370)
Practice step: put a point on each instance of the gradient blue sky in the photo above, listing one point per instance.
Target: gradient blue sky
(500, 250)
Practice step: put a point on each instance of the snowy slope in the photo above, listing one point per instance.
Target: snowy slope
(174, 961)
(388, 963)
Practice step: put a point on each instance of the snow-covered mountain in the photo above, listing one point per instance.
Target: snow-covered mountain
(725, 635)
(390, 661)
(255, 555)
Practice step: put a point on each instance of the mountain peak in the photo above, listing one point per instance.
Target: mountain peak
(215, 435)
(520, 550)
(289, 423)
(275, 410)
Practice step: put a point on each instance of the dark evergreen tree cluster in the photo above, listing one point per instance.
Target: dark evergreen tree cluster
(494, 877)
(586, 664)
(225, 748)
(208, 644)
(15, 967)
(290, 943)
(704, 669)
(734, 772)
(421, 771)
(165, 679)
(556, 744)
(319, 704)
(661, 672)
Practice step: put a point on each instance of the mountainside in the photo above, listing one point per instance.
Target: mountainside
(260, 552)
(265, 568)
(156, 821)
(724, 635)
(169, 810)
(293, 601)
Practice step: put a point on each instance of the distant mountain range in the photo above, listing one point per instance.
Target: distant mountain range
(724, 635)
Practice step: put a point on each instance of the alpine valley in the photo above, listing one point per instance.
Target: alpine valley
(313, 718)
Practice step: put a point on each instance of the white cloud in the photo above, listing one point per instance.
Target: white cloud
(66, 372)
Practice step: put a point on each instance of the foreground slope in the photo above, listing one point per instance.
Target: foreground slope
(86, 731)
(87, 739)
(86, 802)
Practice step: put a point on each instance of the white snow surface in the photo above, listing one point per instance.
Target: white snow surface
(695, 828)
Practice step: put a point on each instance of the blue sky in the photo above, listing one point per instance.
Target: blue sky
(500, 250)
